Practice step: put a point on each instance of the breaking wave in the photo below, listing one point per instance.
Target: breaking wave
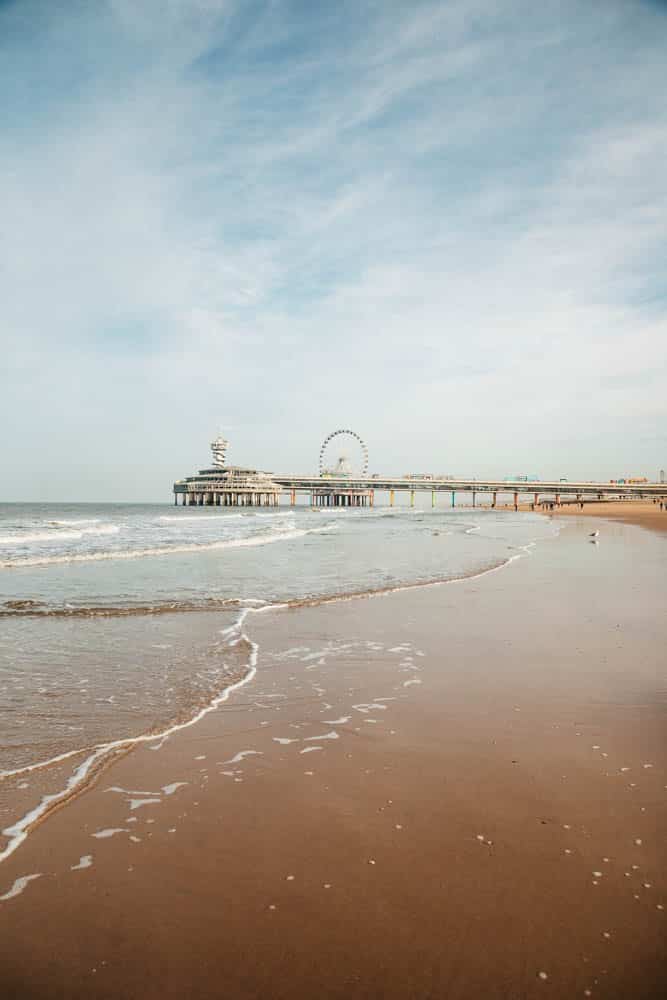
(56, 535)
(163, 550)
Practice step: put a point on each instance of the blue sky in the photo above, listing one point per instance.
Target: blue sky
(441, 223)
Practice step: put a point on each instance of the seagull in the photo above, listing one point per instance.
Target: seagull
(594, 534)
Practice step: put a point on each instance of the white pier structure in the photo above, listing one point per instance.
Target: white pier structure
(344, 486)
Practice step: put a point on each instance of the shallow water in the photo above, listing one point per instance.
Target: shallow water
(119, 621)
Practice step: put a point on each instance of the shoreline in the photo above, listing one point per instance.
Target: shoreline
(398, 804)
(97, 759)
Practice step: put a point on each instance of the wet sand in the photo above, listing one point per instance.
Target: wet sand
(644, 513)
(450, 792)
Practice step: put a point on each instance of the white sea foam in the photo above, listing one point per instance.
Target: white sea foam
(56, 535)
(174, 786)
(19, 886)
(76, 521)
(200, 518)
(85, 861)
(269, 514)
(241, 755)
(165, 550)
(127, 791)
(138, 803)
(109, 832)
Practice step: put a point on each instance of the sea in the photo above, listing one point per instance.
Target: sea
(121, 623)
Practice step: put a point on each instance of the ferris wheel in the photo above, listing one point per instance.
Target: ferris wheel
(343, 453)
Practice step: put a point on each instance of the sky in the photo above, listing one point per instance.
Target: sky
(442, 224)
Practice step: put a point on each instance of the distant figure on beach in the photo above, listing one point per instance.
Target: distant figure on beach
(594, 534)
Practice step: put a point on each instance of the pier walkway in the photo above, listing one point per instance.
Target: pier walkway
(207, 488)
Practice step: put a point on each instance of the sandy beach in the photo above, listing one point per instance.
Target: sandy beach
(642, 512)
(457, 792)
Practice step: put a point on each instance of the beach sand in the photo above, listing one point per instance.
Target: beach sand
(642, 512)
(456, 792)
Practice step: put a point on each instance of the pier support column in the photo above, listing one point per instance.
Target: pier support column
(372, 498)
(474, 495)
(432, 498)
(494, 500)
(391, 498)
(412, 498)
(516, 501)
(535, 500)
(558, 499)
(292, 498)
(453, 499)
(175, 499)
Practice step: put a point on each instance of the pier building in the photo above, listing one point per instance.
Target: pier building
(227, 485)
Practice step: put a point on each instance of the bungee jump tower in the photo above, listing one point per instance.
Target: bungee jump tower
(227, 485)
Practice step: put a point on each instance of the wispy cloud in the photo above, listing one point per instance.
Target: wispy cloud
(441, 222)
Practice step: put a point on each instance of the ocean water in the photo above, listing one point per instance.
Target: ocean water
(120, 622)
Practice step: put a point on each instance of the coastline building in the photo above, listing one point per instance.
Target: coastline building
(227, 485)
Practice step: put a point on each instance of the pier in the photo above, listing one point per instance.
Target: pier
(235, 486)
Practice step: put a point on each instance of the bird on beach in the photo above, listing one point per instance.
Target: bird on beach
(594, 534)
